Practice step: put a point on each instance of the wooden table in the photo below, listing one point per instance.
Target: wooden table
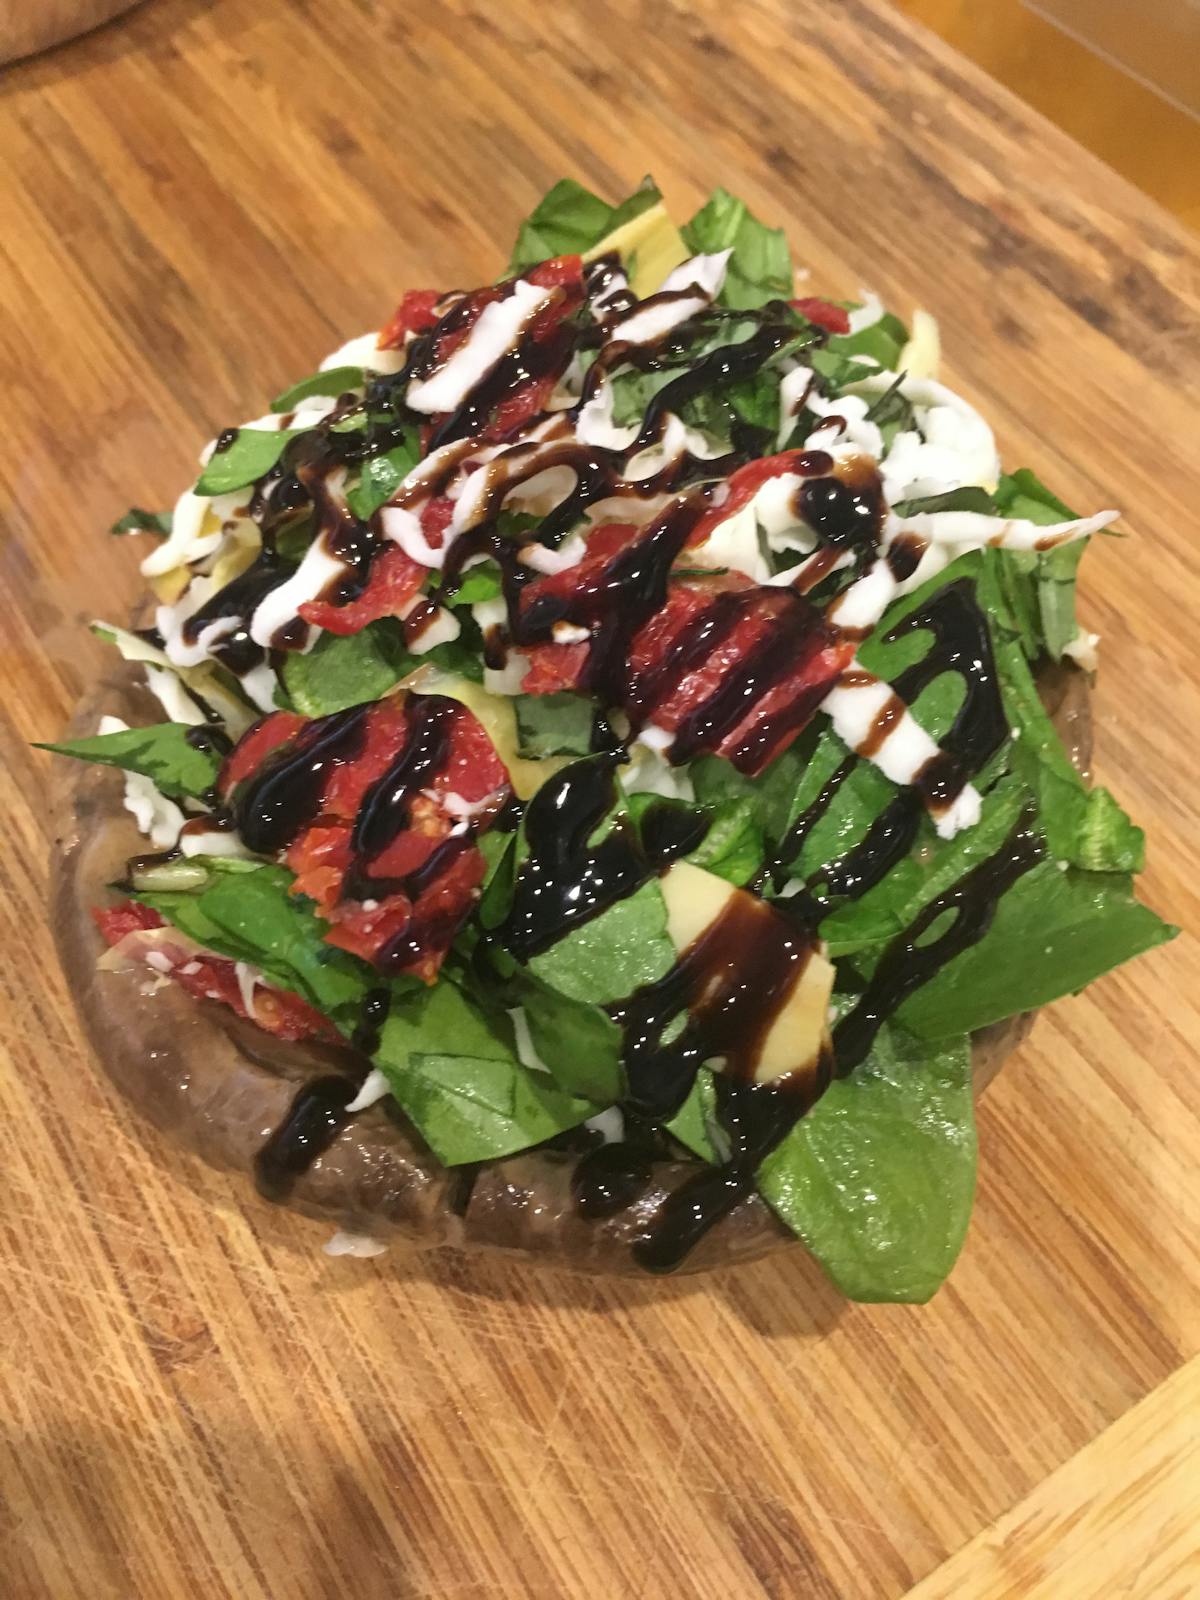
(198, 202)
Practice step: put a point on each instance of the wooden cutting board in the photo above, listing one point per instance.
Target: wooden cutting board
(199, 202)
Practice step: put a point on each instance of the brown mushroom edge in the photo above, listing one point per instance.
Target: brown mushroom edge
(220, 1086)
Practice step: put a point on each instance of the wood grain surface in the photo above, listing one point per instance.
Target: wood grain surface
(200, 201)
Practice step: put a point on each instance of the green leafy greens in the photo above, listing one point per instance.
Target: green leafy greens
(570, 219)
(760, 268)
(251, 454)
(161, 752)
(501, 1053)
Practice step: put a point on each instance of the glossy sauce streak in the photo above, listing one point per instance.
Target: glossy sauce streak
(566, 880)
(907, 963)
(314, 1119)
(373, 1013)
(731, 983)
(846, 507)
(211, 739)
(754, 1119)
(962, 644)
(239, 599)
(283, 797)
(610, 1178)
(385, 808)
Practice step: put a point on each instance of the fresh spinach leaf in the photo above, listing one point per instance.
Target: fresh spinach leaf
(578, 1041)
(732, 846)
(333, 382)
(1108, 840)
(570, 219)
(251, 456)
(247, 913)
(892, 412)
(933, 866)
(1022, 494)
(381, 476)
(160, 752)
(1008, 592)
(879, 1177)
(614, 954)
(883, 341)
(971, 498)
(695, 1124)
(837, 371)
(760, 268)
(347, 669)
(480, 583)
(1055, 930)
(287, 937)
(480, 1110)
(553, 725)
(459, 1080)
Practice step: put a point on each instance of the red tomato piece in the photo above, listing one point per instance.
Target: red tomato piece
(555, 667)
(413, 937)
(322, 855)
(255, 745)
(520, 407)
(212, 977)
(739, 629)
(823, 313)
(414, 314)
(130, 916)
(557, 272)
(320, 858)
(394, 582)
(348, 781)
(436, 516)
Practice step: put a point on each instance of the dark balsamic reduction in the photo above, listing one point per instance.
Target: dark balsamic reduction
(671, 829)
(534, 357)
(460, 1186)
(275, 803)
(730, 983)
(790, 846)
(605, 281)
(314, 1119)
(714, 372)
(797, 632)
(845, 509)
(566, 880)
(907, 963)
(239, 599)
(384, 811)
(961, 644)
(212, 739)
(755, 1118)
(372, 1015)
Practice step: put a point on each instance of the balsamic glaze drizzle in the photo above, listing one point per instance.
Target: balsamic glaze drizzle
(566, 880)
(314, 1119)
(275, 803)
(908, 963)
